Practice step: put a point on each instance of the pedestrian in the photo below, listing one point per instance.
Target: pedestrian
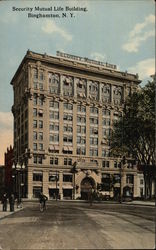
(18, 201)
(12, 202)
(4, 201)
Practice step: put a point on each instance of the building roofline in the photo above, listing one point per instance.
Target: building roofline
(57, 60)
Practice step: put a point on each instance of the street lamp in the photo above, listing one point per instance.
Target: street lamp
(121, 173)
(18, 171)
(74, 171)
(57, 176)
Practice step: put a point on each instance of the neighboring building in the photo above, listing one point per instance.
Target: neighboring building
(8, 159)
(2, 181)
(64, 109)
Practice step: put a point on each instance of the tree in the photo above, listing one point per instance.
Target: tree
(134, 134)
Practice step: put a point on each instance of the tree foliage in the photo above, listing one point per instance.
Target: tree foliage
(134, 134)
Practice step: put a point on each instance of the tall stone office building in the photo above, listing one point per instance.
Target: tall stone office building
(64, 108)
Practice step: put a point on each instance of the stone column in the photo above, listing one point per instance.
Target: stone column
(46, 81)
(61, 85)
(61, 125)
(30, 75)
(100, 94)
(45, 182)
(61, 184)
(123, 182)
(87, 130)
(87, 88)
(75, 87)
(100, 133)
(30, 183)
(112, 88)
(74, 128)
(123, 93)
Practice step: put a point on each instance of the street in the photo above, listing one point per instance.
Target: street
(74, 225)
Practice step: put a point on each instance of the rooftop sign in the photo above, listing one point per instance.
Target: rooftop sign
(86, 60)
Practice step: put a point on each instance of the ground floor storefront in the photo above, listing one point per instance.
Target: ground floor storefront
(80, 184)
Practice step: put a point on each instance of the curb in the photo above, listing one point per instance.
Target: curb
(95, 202)
(1, 218)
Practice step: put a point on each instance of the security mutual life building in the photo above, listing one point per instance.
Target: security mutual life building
(64, 109)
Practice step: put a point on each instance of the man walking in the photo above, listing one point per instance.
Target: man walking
(12, 202)
(4, 201)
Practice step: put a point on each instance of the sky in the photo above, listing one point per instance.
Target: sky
(120, 32)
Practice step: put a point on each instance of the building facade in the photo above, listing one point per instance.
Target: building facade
(64, 109)
(8, 160)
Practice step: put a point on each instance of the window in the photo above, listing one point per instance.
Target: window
(54, 115)
(40, 136)
(68, 138)
(53, 161)
(117, 178)
(35, 74)
(81, 119)
(93, 152)
(129, 178)
(105, 152)
(68, 128)
(40, 124)
(115, 164)
(93, 141)
(40, 86)
(68, 106)
(106, 122)
(53, 104)
(40, 101)
(34, 112)
(41, 76)
(106, 131)
(54, 177)
(40, 159)
(81, 150)
(37, 176)
(35, 99)
(67, 178)
(67, 161)
(106, 112)
(94, 110)
(105, 164)
(81, 109)
(40, 146)
(93, 120)
(34, 146)
(35, 159)
(67, 117)
(34, 123)
(34, 135)
(40, 112)
(54, 138)
(35, 85)
(81, 129)
(54, 127)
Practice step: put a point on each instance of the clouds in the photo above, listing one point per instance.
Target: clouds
(50, 27)
(140, 33)
(6, 120)
(6, 133)
(144, 68)
(98, 56)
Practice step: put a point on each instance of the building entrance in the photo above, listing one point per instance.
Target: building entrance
(87, 185)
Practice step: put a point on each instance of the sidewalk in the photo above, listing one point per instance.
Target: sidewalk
(7, 213)
(142, 203)
(133, 202)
